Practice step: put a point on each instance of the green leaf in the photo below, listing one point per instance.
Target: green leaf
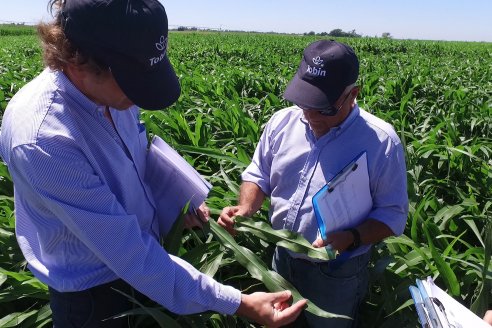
(444, 268)
(3, 278)
(447, 213)
(481, 303)
(41, 318)
(473, 226)
(211, 267)
(15, 319)
(401, 307)
(173, 240)
(4, 172)
(258, 270)
(213, 153)
(284, 238)
(162, 319)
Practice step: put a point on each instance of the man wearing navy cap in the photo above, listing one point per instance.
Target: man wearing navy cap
(85, 217)
(302, 148)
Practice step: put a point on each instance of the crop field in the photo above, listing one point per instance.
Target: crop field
(437, 95)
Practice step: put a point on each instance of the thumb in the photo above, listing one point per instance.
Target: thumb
(319, 242)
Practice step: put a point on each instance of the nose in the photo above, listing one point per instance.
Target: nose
(310, 113)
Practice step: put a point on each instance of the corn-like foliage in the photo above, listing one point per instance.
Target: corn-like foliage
(438, 97)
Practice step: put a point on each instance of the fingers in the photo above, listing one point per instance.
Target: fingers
(271, 309)
(226, 219)
(203, 212)
(488, 317)
(191, 221)
(280, 297)
(280, 306)
(283, 313)
(338, 240)
(319, 242)
(290, 313)
(197, 217)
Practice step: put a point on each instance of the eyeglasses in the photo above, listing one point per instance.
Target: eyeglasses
(331, 110)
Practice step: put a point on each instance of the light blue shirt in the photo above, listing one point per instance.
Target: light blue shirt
(290, 165)
(84, 215)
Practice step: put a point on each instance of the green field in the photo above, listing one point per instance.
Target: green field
(16, 30)
(438, 96)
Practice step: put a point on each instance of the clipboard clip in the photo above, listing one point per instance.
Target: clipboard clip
(341, 176)
(449, 322)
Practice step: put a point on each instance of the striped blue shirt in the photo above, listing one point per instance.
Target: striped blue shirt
(84, 215)
(290, 165)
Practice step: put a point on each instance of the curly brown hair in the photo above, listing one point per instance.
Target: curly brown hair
(58, 51)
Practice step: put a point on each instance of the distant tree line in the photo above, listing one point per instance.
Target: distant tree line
(337, 33)
(186, 28)
(334, 33)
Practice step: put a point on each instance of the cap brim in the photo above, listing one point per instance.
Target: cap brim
(152, 90)
(306, 94)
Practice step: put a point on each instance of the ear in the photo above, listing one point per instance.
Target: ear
(74, 72)
(354, 93)
(77, 75)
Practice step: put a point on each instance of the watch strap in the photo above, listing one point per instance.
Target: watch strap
(356, 242)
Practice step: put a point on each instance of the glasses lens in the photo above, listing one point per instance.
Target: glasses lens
(330, 111)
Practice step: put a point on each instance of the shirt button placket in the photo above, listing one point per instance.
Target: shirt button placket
(301, 189)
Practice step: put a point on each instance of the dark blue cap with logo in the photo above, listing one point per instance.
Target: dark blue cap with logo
(327, 68)
(130, 37)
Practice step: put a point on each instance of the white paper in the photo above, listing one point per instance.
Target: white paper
(455, 314)
(173, 182)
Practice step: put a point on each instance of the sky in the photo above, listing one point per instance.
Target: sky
(453, 20)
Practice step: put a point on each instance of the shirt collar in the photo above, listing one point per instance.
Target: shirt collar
(354, 113)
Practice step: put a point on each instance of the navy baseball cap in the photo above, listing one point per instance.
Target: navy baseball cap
(130, 37)
(327, 68)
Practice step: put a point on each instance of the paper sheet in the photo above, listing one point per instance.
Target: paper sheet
(441, 310)
(173, 182)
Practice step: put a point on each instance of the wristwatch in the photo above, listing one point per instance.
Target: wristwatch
(356, 236)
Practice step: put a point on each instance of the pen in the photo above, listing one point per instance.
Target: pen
(434, 318)
(419, 306)
(341, 176)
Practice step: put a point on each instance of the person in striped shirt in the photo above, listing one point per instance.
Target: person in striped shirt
(75, 147)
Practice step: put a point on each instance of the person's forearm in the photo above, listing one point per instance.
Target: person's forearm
(370, 232)
(373, 231)
(250, 197)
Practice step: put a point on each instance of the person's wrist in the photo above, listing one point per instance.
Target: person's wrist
(355, 239)
(245, 211)
(245, 307)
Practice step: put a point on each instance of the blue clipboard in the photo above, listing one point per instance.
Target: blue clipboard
(329, 203)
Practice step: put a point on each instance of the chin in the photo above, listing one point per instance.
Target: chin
(124, 106)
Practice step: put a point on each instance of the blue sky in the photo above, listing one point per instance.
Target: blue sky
(461, 20)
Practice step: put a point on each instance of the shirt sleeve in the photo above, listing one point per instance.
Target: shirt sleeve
(390, 198)
(69, 187)
(258, 171)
